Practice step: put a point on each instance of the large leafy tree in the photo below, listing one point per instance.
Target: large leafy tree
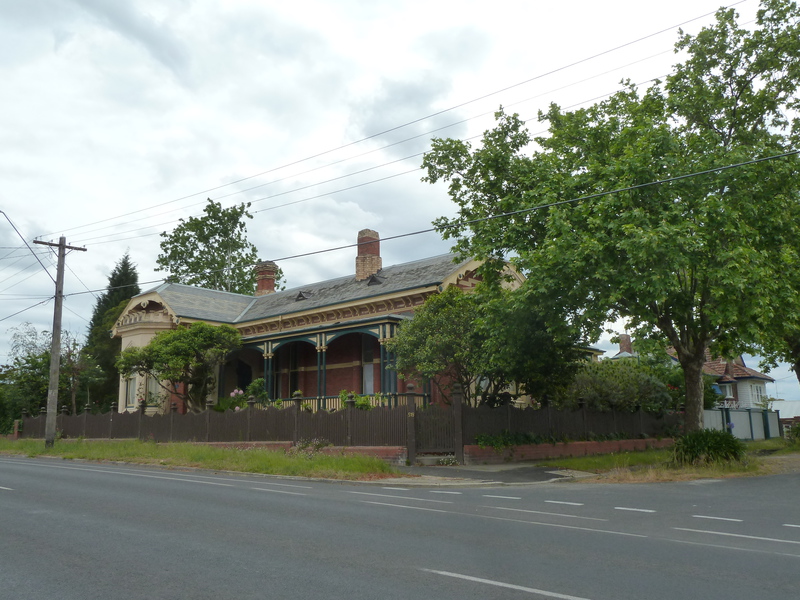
(183, 361)
(693, 263)
(101, 348)
(211, 251)
(486, 341)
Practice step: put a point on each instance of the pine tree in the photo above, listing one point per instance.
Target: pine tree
(123, 284)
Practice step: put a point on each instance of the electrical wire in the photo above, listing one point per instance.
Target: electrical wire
(418, 120)
(462, 224)
(26, 244)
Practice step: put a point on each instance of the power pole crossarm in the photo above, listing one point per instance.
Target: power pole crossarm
(55, 347)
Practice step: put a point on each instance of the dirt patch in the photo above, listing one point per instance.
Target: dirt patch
(776, 464)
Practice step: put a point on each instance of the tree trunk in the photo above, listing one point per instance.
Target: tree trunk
(796, 361)
(693, 379)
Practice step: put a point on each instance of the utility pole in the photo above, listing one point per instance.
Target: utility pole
(55, 347)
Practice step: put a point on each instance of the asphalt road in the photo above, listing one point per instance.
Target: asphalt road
(72, 530)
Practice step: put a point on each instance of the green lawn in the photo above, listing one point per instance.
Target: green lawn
(655, 465)
(250, 460)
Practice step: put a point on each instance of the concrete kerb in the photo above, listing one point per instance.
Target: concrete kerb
(417, 481)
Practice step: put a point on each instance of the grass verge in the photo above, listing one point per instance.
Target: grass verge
(655, 465)
(250, 460)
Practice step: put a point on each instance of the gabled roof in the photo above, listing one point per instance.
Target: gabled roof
(730, 371)
(726, 371)
(225, 307)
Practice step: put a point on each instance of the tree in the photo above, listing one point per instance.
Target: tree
(693, 263)
(184, 360)
(211, 251)
(485, 340)
(441, 343)
(101, 348)
(24, 382)
(523, 345)
(621, 385)
(664, 368)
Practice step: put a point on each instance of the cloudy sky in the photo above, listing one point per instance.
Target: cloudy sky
(119, 118)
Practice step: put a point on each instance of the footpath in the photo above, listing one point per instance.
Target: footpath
(485, 475)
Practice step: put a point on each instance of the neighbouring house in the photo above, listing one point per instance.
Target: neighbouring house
(739, 385)
(319, 338)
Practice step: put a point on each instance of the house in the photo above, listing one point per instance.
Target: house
(739, 385)
(319, 338)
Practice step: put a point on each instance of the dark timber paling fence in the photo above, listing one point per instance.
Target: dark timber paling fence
(381, 426)
(407, 421)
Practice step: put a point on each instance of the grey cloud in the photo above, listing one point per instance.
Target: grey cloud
(279, 70)
(155, 38)
(403, 101)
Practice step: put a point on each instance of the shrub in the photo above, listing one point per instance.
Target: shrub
(507, 439)
(707, 446)
(361, 402)
(257, 389)
(793, 435)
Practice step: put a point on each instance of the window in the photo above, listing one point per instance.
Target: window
(758, 394)
(130, 392)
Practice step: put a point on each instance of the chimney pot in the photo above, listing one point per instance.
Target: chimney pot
(625, 344)
(266, 271)
(368, 261)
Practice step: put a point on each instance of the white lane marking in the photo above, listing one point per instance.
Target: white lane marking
(302, 487)
(404, 506)
(556, 525)
(503, 497)
(395, 489)
(129, 474)
(729, 547)
(644, 510)
(717, 518)
(444, 492)
(539, 512)
(279, 491)
(738, 535)
(790, 525)
(7, 489)
(401, 497)
(562, 502)
(510, 586)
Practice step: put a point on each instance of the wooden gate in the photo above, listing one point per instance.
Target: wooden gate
(435, 429)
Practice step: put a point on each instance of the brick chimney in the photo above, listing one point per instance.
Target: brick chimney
(368, 261)
(625, 344)
(266, 271)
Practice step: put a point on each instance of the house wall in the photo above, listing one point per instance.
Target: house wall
(149, 323)
(750, 392)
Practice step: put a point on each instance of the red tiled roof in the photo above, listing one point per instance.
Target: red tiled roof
(728, 371)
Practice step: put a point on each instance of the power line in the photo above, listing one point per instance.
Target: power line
(418, 120)
(461, 224)
(26, 309)
(328, 193)
(27, 245)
